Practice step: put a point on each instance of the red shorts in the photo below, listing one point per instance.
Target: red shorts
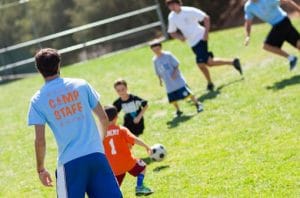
(135, 171)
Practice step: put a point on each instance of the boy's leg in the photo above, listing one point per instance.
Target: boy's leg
(139, 171)
(120, 178)
(202, 55)
(284, 31)
(198, 105)
(212, 62)
(203, 68)
(101, 181)
(275, 50)
(178, 112)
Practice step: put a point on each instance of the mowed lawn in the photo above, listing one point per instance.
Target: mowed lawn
(245, 143)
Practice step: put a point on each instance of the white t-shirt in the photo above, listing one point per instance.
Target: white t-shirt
(187, 21)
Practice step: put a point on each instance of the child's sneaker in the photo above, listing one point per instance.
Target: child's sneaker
(237, 65)
(143, 190)
(199, 107)
(210, 87)
(178, 113)
(293, 63)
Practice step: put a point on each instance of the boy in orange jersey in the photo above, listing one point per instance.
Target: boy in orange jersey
(117, 144)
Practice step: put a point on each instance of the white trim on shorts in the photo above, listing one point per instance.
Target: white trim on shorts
(61, 186)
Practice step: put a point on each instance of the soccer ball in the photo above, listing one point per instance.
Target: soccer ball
(159, 152)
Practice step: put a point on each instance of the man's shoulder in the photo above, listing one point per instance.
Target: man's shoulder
(248, 5)
(171, 15)
(36, 96)
(189, 9)
(74, 80)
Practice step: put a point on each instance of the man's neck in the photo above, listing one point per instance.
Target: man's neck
(178, 11)
(49, 78)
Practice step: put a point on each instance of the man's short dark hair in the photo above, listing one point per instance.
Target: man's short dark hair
(47, 61)
(111, 112)
(167, 2)
(120, 82)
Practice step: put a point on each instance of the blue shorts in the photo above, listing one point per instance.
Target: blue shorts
(201, 52)
(89, 174)
(179, 94)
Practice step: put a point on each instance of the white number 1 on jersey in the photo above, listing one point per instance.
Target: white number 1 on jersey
(112, 146)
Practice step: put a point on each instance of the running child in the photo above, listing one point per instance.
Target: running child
(167, 69)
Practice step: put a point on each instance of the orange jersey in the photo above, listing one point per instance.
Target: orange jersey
(116, 145)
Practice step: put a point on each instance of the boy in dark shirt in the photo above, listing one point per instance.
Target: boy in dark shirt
(133, 106)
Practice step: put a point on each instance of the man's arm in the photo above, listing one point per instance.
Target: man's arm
(177, 35)
(291, 3)
(248, 24)
(40, 152)
(206, 23)
(101, 115)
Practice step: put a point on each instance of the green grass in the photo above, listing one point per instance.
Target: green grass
(245, 143)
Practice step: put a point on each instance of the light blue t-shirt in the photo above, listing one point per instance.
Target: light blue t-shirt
(66, 105)
(267, 10)
(164, 67)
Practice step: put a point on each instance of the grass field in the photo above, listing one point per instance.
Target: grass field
(245, 143)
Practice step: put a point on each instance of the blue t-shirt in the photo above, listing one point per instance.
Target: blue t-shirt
(66, 105)
(267, 10)
(164, 67)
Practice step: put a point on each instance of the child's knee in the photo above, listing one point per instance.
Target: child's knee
(201, 65)
(210, 62)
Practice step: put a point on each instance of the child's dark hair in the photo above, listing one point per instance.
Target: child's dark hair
(120, 82)
(111, 112)
(47, 62)
(167, 2)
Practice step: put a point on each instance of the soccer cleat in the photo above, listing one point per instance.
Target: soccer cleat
(143, 190)
(210, 87)
(293, 63)
(178, 113)
(199, 107)
(237, 65)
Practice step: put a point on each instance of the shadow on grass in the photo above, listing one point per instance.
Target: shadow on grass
(213, 94)
(177, 120)
(160, 168)
(147, 160)
(284, 83)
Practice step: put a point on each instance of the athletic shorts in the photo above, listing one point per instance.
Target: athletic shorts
(89, 174)
(135, 171)
(283, 31)
(201, 52)
(136, 129)
(179, 94)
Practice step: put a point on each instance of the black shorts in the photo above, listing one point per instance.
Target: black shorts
(201, 52)
(136, 129)
(283, 31)
(179, 94)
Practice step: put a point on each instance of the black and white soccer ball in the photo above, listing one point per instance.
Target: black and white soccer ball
(159, 152)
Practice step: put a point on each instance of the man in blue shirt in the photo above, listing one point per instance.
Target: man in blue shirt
(66, 105)
(282, 28)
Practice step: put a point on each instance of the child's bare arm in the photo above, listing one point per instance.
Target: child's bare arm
(140, 142)
(175, 72)
(138, 118)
